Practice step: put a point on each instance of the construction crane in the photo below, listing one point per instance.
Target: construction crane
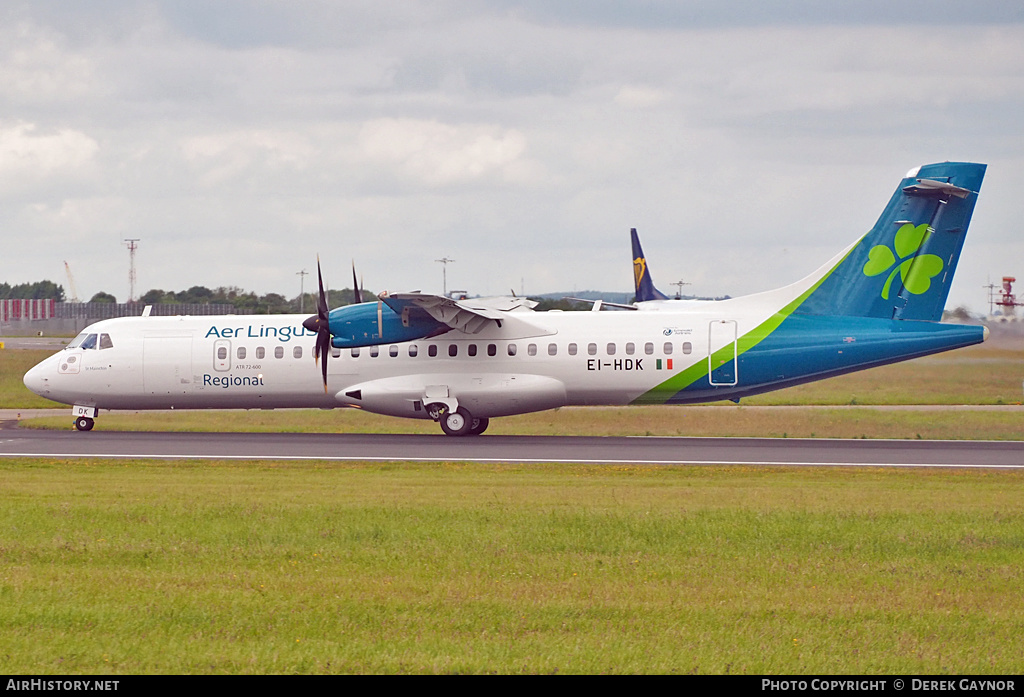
(71, 285)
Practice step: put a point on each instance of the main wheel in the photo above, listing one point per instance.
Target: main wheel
(478, 427)
(84, 423)
(457, 423)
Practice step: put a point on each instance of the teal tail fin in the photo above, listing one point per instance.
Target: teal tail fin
(903, 268)
(642, 283)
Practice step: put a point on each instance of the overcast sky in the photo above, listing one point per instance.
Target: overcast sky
(748, 141)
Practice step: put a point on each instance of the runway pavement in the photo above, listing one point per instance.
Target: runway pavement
(512, 449)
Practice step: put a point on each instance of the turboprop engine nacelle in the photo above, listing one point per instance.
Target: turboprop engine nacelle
(372, 324)
(484, 395)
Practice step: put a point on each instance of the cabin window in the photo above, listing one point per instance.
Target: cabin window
(393, 352)
(687, 347)
(512, 349)
(552, 349)
(297, 352)
(355, 352)
(592, 349)
(222, 353)
(261, 352)
(278, 353)
(492, 350)
(453, 350)
(432, 350)
(105, 341)
(240, 352)
(374, 351)
(630, 348)
(668, 348)
(336, 352)
(649, 348)
(413, 350)
(531, 350)
(471, 349)
(572, 349)
(611, 349)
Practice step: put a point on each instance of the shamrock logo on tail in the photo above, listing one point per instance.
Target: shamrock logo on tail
(917, 271)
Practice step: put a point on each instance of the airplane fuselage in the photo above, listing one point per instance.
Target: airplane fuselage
(577, 358)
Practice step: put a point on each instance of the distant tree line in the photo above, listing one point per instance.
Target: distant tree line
(269, 304)
(42, 290)
(564, 304)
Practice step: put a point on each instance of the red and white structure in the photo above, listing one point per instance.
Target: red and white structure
(26, 310)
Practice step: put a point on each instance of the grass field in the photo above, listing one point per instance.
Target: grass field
(14, 363)
(143, 567)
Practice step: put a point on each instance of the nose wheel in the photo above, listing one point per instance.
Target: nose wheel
(84, 423)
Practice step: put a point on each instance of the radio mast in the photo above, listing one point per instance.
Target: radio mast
(132, 246)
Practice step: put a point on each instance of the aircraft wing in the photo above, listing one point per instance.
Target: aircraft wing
(469, 316)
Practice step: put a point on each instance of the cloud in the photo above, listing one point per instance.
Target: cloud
(220, 158)
(29, 155)
(439, 154)
(640, 96)
(35, 68)
(517, 131)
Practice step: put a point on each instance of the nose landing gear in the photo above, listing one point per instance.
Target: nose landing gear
(84, 416)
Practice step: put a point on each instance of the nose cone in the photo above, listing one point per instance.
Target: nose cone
(36, 379)
(314, 323)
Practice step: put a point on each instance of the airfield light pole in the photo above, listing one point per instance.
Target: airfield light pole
(679, 285)
(445, 261)
(302, 289)
(132, 245)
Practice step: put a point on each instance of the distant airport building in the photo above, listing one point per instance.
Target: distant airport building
(26, 310)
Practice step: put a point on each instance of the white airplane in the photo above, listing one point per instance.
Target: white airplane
(464, 362)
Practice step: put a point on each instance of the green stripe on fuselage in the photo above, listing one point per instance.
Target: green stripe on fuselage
(680, 381)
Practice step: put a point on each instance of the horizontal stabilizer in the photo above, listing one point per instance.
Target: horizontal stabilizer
(931, 186)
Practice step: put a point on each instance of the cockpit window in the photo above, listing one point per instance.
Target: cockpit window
(105, 341)
(89, 342)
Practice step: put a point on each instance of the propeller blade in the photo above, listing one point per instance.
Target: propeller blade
(320, 323)
(355, 285)
(323, 345)
(321, 306)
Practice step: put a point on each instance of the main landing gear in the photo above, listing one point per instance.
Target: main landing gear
(457, 423)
